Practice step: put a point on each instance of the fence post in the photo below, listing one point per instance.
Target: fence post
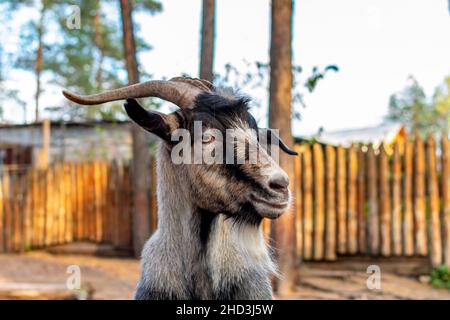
(352, 223)
(362, 226)
(372, 191)
(16, 212)
(48, 207)
(433, 193)
(419, 197)
(341, 201)
(396, 202)
(307, 203)
(28, 211)
(319, 214)
(98, 225)
(330, 225)
(445, 161)
(384, 202)
(408, 231)
(298, 203)
(41, 193)
(70, 200)
(59, 207)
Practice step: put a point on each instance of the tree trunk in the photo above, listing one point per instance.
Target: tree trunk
(39, 58)
(207, 50)
(140, 162)
(98, 39)
(283, 231)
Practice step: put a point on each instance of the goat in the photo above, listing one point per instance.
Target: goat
(209, 242)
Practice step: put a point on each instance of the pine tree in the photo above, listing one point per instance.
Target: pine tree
(280, 110)
(141, 158)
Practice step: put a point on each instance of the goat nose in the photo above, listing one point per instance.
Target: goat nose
(279, 183)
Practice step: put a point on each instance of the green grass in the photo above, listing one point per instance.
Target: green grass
(440, 277)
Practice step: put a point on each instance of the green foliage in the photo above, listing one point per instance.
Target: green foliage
(419, 112)
(318, 75)
(100, 43)
(85, 60)
(440, 277)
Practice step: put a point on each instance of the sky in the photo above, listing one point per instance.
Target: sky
(376, 44)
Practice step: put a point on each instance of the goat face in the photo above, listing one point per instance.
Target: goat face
(226, 158)
(247, 187)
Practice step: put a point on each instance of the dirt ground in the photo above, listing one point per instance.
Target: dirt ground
(115, 278)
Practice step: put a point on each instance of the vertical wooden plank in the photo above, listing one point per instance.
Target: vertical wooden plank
(68, 236)
(54, 200)
(126, 209)
(408, 222)
(298, 204)
(76, 206)
(61, 206)
(330, 224)
(352, 222)
(445, 215)
(122, 204)
(35, 207)
(28, 214)
(22, 240)
(433, 193)
(341, 201)
(106, 216)
(80, 202)
(73, 200)
(319, 212)
(106, 204)
(57, 203)
(59, 209)
(88, 196)
(41, 196)
(114, 187)
(13, 199)
(7, 211)
(8, 192)
(384, 202)
(362, 226)
(98, 201)
(396, 202)
(16, 205)
(372, 193)
(65, 202)
(49, 212)
(9, 221)
(419, 198)
(52, 207)
(307, 204)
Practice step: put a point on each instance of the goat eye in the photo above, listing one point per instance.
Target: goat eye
(207, 138)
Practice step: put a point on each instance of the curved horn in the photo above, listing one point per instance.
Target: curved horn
(180, 91)
(273, 138)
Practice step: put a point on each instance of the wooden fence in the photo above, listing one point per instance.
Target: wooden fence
(66, 202)
(348, 201)
(362, 200)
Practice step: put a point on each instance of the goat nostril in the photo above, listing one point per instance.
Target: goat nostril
(279, 184)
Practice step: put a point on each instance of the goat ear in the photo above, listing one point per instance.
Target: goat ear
(155, 122)
(273, 138)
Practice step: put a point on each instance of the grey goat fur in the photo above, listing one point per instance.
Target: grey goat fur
(209, 243)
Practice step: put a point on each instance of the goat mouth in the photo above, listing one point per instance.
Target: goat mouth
(274, 205)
